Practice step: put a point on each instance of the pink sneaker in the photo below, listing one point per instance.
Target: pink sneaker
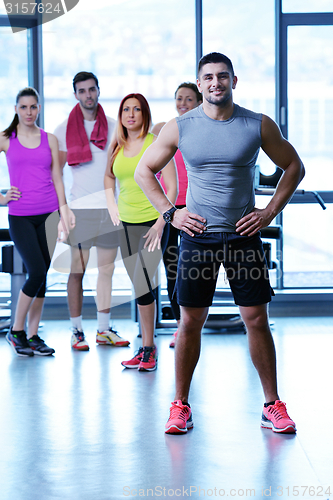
(173, 340)
(275, 417)
(135, 361)
(148, 362)
(180, 418)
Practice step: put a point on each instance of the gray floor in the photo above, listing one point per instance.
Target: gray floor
(77, 426)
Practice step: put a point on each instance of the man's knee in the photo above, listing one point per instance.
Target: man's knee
(106, 258)
(256, 316)
(75, 278)
(193, 318)
(106, 270)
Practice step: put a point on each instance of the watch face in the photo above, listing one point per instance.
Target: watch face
(167, 216)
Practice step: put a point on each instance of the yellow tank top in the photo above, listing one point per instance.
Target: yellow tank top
(133, 205)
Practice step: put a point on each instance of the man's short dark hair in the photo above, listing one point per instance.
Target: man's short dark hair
(82, 77)
(215, 57)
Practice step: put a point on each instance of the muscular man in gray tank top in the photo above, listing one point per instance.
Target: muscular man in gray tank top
(223, 154)
(220, 142)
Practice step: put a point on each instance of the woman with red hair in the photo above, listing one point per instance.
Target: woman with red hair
(142, 236)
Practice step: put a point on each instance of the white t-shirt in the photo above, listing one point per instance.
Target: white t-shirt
(87, 187)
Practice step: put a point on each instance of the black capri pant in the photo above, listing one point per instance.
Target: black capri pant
(35, 237)
(140, 264)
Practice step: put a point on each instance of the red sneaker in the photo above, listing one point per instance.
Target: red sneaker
(173, 340)
(148, 362)
(275, 417)
(180, 418)
(135, 361)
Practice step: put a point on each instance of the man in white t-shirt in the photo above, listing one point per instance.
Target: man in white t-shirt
(84, 139)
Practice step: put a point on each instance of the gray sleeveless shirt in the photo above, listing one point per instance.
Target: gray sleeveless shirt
(220, 159)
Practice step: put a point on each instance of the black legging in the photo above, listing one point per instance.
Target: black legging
(35, 238)
(140, 264)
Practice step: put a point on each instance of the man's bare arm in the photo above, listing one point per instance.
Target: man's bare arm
(153, 160)
(67, 218)
(282, 153)
(62, 159)
(170, 179)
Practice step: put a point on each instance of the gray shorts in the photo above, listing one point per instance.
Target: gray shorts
(93, 228)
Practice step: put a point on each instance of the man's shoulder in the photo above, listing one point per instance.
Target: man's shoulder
(111, 121)
(248, 113)
(193, 113)
(61, 128)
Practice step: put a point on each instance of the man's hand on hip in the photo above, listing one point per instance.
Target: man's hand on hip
(188, 222)
(253, 222)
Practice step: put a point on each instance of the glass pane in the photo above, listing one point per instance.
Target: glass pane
(13, 77)
(310, 113)
(308, 246)
(236, 30)
(248, 40)
(132, 47)
(307, 6)
(307, 241)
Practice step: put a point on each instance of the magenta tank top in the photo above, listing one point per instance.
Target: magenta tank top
(30, 171)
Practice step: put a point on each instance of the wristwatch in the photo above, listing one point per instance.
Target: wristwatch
(168, 215)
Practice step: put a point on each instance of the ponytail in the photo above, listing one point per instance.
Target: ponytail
(12, 127)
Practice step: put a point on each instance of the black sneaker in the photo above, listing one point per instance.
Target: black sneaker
(39, 347)
(18, 341)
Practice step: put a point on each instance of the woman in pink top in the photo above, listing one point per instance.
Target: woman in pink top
(187, 97)
(33, 200)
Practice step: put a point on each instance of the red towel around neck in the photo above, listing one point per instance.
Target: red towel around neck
(78, 147)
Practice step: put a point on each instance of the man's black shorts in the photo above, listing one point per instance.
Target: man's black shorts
(243, 259)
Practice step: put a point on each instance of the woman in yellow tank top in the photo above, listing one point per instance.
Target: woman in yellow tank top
(142, 236)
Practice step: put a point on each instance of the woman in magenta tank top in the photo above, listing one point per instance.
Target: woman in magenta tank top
(33, 200)
(187, 97)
